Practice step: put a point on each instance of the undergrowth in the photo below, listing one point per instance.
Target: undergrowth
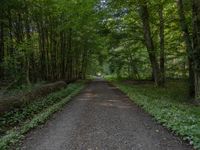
(170, 106)
(19, 121)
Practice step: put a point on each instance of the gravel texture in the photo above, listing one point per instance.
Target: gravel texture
(102, 118)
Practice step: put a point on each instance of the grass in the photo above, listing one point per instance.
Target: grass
(18, 122)
(170, 106)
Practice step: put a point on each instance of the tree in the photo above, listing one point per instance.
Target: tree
(162, 44)
(1, 45)
(43, 40)
(149, 41)
(196, 42)
(188, 43)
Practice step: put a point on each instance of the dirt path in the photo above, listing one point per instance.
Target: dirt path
(102, 118)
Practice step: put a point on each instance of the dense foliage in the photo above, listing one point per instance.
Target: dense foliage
(57, 39)
(146, 41)
(126, 29)
(46, 39)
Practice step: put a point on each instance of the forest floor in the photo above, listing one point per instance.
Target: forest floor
(102, 117)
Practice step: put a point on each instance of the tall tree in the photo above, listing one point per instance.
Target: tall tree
(162, 44)
(1, 44)
(144, 13)
(196, 41)
(188, 43)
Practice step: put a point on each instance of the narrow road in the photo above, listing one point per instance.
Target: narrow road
(102, 118)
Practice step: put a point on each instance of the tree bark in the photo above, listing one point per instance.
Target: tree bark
(84, 60)
(196, 42)
(162, 47)
(42, 52)
(149, 41)
(69, 55)
(1, 49)
(28, 65)
(188, 43)
(10, 47)
(63, 53)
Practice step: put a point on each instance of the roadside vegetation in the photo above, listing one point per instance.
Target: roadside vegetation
(170, 106)
(44, 41)
(14, 124)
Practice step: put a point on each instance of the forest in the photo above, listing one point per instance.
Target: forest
(59, 42)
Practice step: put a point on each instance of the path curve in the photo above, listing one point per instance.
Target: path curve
(102, 118)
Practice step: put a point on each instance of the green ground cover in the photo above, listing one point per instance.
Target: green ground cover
(14, 124)
(170, 106)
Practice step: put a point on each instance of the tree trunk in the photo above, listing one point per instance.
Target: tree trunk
(28, 71)
(63, 55)
(196, 42)
(42, 52)
(162, 48)
(84, 60)
(10, 47)
(188, 43)
(28, 66)
(1, 50)
(197, 86)
(69, 55)
(149, 42)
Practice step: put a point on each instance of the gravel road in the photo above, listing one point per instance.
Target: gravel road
(102, 118)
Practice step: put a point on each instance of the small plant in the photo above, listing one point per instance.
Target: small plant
(169, 106)
(19, 121)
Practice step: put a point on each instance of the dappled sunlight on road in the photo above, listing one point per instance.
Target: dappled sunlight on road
(88, 96)
(116, 105)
